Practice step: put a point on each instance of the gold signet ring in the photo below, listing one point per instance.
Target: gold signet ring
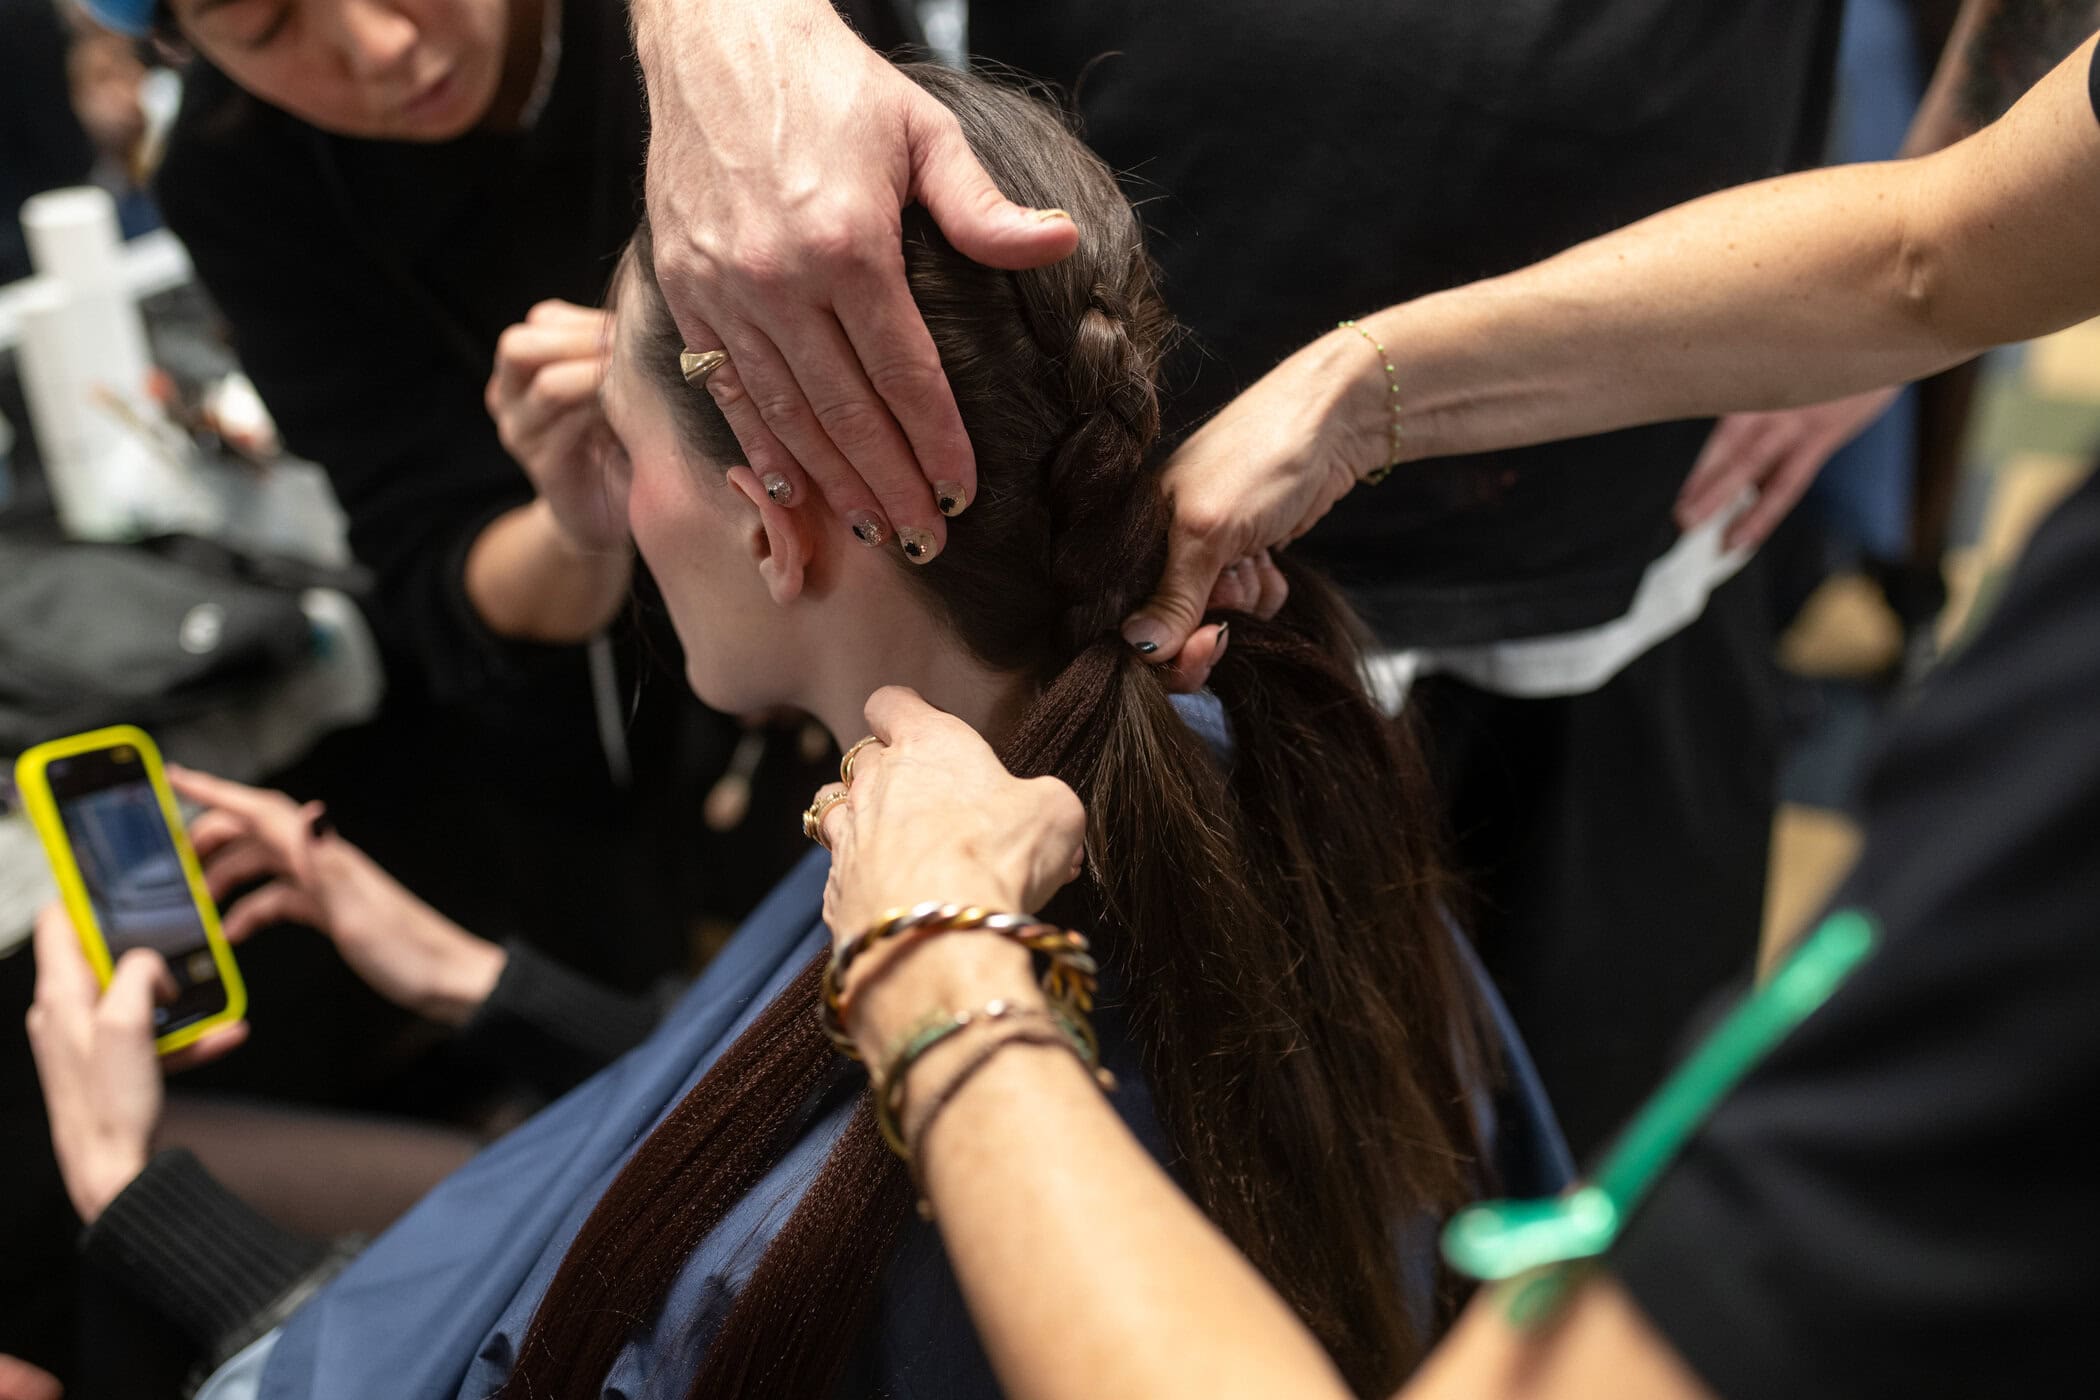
(696, 365)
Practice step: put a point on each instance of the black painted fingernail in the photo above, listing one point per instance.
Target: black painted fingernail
(918, 544)
(867, 527)
(1144, 648)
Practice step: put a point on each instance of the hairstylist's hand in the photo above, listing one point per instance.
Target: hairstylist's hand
(1254, 478)
(543, 395)
(781, 152)
(95, 1056)
(405, 950)
(1776, 454)
(933, 814)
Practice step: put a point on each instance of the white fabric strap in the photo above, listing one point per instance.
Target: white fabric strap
(1672, 594)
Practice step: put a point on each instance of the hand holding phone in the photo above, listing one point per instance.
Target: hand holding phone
(101, 804)
(96, 1057)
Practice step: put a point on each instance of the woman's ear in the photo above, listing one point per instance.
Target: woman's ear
(780, 541)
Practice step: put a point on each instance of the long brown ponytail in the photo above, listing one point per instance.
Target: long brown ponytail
(1305, 1027)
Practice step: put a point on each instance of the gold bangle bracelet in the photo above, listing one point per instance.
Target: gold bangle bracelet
(1068, 978)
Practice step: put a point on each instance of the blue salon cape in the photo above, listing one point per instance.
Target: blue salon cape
(435, 1308)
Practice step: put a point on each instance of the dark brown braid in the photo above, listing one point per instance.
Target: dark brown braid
(1302, 1021)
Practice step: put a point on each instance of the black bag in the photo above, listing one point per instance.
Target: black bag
(104, 634)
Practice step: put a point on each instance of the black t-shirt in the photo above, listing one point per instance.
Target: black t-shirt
(366, 283)
(1902, 1201)
(1310, 161)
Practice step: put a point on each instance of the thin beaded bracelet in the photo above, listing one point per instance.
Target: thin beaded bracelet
(1068, 980)
(964, 1073)
(938, 1026)
(1392, 383)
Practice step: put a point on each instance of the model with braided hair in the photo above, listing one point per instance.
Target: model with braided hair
(1284, 984)
(1296, 1031)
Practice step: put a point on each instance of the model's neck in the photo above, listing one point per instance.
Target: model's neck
(943, 674)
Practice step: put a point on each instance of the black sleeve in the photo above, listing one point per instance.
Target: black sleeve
(2093, 82)
(357, 379)
(201, 1257)
(552, 1025)
(42, 145)
(1900, 1201)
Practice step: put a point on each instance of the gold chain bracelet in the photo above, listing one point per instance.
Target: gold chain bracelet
(1392, 383)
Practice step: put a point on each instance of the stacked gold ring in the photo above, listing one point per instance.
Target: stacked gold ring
(846, 763)
(813, 817)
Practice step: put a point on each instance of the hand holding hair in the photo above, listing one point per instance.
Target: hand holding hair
(1256, 477)
(781, 154)
(931, 813)
(543, 394)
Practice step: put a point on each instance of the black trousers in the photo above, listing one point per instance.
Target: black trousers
(1614, 847)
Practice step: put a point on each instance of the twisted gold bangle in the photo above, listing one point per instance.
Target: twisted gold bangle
(1068, 979)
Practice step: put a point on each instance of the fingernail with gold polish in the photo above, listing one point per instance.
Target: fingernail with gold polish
(948, 495)
(779, 490)
(867, 527)
(918, 544)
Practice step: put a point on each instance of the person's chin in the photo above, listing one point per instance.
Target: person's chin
(450, 108)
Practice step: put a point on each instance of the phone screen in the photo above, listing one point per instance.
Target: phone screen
(134, 878)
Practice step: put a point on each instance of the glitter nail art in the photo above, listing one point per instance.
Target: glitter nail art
(918, 544)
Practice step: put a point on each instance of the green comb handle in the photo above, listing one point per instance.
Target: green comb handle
(1510, 1240)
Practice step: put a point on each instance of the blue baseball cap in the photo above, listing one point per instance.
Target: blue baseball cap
(133, 17)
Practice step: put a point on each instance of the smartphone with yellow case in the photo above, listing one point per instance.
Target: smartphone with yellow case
(126, 872)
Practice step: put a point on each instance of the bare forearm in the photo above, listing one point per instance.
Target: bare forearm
(1131, 1291)
(1788, 292)
(528, 582)
(1087, 1272)
(1783, 293)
